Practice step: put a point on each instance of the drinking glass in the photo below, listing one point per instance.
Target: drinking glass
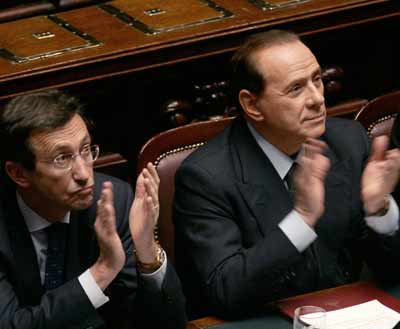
(309, 317)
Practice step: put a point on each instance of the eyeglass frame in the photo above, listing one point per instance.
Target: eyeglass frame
(72, 157)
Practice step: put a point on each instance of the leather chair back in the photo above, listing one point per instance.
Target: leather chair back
(166, 151)
(378, 115)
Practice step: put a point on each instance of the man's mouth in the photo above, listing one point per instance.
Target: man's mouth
(85, 190)
(316, 118)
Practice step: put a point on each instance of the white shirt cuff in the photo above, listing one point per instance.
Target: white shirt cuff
(157, 277)
(297, 231)
(92, 289)
(387, 224)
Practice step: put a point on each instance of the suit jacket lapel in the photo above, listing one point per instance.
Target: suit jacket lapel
(25, 259)
(82, 249)
(337, 192)
(259, 183)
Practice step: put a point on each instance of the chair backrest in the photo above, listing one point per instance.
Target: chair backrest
(113, 164)
(166, 151)
(378, 115)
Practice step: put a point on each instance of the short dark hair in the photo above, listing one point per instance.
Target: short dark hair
(245, 74)
(39, 111)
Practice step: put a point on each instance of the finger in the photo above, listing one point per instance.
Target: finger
(320, 166)
(308, 154)
(153, 172)
(380, 145)
(140, 189)
(151, 204)
(152, 208)
(105, 208)
(151, 180)
(312, 147)
(392, 165)
(107, 203)
(104, 196)
(151, 191)
(316, 143)
(109, 193)
(393, 155)
(316, 166)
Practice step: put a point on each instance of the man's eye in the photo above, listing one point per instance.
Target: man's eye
(318, 79)
(63, 158)
(85, 150)
(295, 88)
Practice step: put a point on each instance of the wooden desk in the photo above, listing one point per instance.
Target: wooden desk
(126, 75)
(271, 319)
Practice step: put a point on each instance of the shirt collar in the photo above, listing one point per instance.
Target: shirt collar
(33, 221)
(280, 161)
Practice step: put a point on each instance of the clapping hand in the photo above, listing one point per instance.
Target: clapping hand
(112, 255)
(309, 181)
(380, 175)
(144, 214)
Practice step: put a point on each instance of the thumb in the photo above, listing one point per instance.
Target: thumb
(321, 165)
(379, 146)
(140, 190)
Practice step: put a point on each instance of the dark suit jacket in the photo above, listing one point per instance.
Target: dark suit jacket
(395, 142)
(229, 200)
(24, 304)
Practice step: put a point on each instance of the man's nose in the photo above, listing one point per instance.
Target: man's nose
(316, 96)
(81, 169)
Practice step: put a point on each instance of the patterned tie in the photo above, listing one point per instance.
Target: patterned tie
(56, 242)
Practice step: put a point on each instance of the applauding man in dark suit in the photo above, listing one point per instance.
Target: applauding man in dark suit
(77, 249)
(248, 231)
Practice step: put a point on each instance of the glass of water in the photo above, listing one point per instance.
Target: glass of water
(309, 317)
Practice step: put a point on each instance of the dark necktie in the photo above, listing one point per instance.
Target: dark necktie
(308, 274)
(56, 242)
(289, 179)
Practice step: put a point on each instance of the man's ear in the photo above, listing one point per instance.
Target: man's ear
(248, 101)
(17, 173)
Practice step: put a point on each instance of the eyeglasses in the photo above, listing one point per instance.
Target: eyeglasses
(65, 161)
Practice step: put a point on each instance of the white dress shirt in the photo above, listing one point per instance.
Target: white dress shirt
(293, 225)
(36, 227)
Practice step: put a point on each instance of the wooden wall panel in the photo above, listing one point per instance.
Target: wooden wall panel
(129, 80)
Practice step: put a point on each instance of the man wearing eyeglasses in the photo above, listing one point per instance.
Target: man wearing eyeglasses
(67, 259)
